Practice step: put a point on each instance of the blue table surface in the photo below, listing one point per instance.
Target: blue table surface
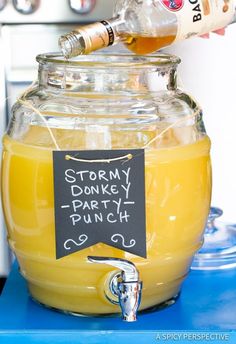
(207, 304)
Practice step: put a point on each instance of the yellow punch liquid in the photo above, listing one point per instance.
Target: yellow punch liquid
(178, 190)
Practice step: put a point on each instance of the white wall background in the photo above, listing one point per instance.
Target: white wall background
(208, 72)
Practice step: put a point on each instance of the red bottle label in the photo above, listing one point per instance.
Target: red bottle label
(173, 5)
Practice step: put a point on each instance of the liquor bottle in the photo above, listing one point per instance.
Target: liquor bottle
(145, 26)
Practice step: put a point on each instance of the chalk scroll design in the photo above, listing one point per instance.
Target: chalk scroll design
(115, 238)
(82, 238)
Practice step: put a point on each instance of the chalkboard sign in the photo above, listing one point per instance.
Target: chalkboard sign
(99, 197)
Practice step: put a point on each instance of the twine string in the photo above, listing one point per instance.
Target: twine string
(170, 127)
(125, 157)
(22, 100)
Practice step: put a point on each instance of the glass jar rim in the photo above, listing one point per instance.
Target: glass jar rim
(105, 60)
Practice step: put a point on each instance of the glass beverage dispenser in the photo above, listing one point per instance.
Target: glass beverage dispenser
(107, 111)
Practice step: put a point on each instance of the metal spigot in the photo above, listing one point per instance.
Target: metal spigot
(124, 285)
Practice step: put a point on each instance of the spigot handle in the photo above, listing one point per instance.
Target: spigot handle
(128, 290)
(129, 271)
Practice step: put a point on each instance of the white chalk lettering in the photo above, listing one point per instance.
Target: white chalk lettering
(114, 189)
(126, 190)
(87, 219)
(87, 190)
(124, 216)
(81, 173)
(82, 239)
(100, 196)
(118, 205)
(115, 238)
(92, 176)
(105, 203)
(73, 190)
(109, 216)
(94, 205)
(127, 174)
(86, 206)
(104, 189)
(115, 174)
(98, 217)
(75, 218)
(76, 204)
(95, 190)
(65, 206)
(68, 177)
(101, 175)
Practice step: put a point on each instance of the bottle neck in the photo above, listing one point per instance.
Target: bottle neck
(89, 38)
